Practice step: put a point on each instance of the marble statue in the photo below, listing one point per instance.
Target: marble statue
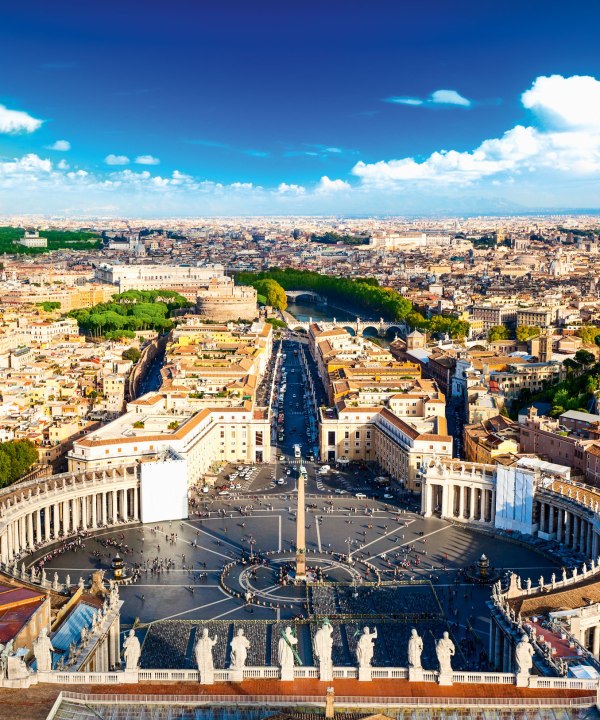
(42, 650)
(55, 581)
(285, 653)
(415, 648)
(324, 649)
(365, 647)
(44, 578)
(204, 659)
(564, 575)
(528, 584)
(524, 655)
(239, 650)
(131, 651)
(81, 584)
(84, 637)
(541, 582)
(444, 649)
(67, 582)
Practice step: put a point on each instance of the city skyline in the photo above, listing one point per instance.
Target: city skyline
(298, 110)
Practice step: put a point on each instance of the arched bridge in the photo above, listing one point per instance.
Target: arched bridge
(379, 328)
(308, 294)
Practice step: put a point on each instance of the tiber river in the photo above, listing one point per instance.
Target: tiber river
(318, 311)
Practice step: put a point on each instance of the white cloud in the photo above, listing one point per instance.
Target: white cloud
(147, 160)
(285, 189)
(326, 185)
(17, 121)
(437, 97)
(241, 186)
(60, 146)
(567, 142)
(116, 159)
(449, 97)
(565, 103)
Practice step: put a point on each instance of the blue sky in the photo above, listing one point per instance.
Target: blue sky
(262, 107)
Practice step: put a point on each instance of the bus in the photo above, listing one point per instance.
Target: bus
(297, 452)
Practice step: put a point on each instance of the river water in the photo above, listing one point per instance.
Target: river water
(303, 311)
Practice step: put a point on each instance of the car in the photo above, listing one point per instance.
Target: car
(339, 491)
(281, 481)
(388, 496)
(205, 489)
(224, 492)
(361, 496)
(239, 467)
(288, 472)
(335, 471)
(238, 486)
(323, 471)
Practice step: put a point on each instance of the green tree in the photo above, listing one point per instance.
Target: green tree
(589, 334)
(526, 332)
(16, 459)
(498, 332)
(584, 357)
(132, 354)
(273, 292)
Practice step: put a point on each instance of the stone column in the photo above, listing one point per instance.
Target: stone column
(47, 523)
(461, 502)
(114, 515)
(38, 526)
(559, 525)
(125, 506)
(576, 530)
(56, 519)
(582, 529)
(94, 499)
(596, 645)
(136, 515)
(75, 505)
(595, 547)
(568, 523)
(23, 533)
(104, 497)
(4, 547)
(589, 544)
(472, 503)
(30, 530)
(9, 540)
(84, 512)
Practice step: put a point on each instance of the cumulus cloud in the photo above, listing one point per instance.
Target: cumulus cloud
(116, 159)
(291, 189)
(326, 185)
(566, 139)
(13, 122)
(60, 146)
(146, 160)
(437, 97)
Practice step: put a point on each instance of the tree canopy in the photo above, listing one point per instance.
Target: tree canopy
(16, 459)
(273, 293)
(130, 311)
(498, 332)
(526, 332)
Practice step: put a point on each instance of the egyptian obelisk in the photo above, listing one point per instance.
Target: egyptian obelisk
(300, 530)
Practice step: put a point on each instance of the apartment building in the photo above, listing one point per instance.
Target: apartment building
(491, 314)
(156, 424)
(526, 376)
(491, 438)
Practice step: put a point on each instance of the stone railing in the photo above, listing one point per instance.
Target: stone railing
(273, 673)
(516, 589)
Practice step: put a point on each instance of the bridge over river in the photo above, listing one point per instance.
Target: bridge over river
(379, 328)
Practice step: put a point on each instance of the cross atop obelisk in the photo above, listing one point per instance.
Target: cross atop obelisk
(301, 529)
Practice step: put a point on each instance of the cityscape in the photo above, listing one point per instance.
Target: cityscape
(299, 362)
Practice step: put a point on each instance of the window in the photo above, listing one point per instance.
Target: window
(331, 437)
(357, 434)
(346, 434)
(258, 438)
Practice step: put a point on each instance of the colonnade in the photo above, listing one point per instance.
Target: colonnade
(568, 527)
(455, 500)
(59, 506)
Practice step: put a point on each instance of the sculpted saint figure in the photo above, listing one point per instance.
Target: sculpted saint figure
(323, 650)
(365, 647)
(415, 648)
(42, 649)
(131, 651)
(239, 650)
(285, 652)
(445, 650)
(204, 658)
(524, 655)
